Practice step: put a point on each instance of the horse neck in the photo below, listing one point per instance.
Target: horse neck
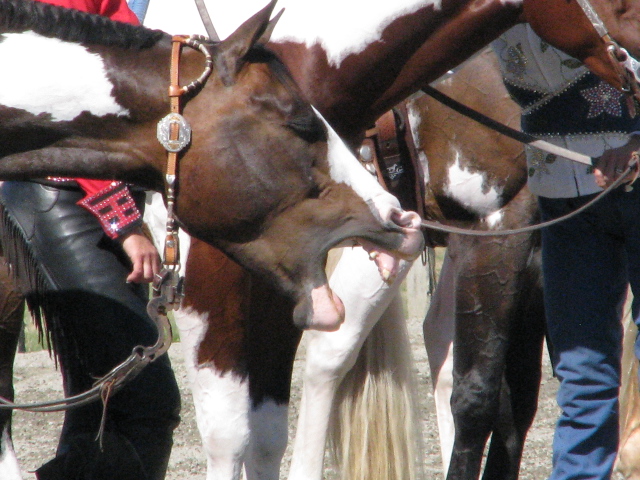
(565, 26)
(458, 38)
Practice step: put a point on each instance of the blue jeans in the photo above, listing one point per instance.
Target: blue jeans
(588, 262)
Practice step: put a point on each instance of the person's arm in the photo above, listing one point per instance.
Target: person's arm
(117, 10)
(143, 255)
(116, 210)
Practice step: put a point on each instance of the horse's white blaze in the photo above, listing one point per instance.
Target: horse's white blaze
(74, 81)
(472, 190)
(345, 168)
(9, 468)
(303, 21)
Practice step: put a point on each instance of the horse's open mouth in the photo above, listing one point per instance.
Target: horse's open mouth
(388, 262)
(322, 309)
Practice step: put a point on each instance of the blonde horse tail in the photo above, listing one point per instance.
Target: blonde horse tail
(628, 461)
(375, 429)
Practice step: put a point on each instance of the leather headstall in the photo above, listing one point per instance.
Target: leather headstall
(174, 133)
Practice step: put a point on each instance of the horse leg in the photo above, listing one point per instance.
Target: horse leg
(11, 318)
(438, 331)
(488, 285)
(331, 354)
(240, 355)
(217, 335)
(212, 338)
(272, 341)
(519, 397)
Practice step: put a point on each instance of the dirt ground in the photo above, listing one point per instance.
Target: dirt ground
(35, 434)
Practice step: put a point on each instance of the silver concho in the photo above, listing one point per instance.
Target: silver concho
(164, 131)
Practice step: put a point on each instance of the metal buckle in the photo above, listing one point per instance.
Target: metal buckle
(164, 132)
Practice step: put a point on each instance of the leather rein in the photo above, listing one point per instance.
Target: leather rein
(174, 133)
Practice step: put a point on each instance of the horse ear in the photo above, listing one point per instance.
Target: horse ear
(232, 50)
(264, 38)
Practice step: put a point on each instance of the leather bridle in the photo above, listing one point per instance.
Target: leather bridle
(627, 67)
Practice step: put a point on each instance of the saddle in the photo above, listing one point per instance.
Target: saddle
(389, 153)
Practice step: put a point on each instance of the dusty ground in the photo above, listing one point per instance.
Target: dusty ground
(35, 434)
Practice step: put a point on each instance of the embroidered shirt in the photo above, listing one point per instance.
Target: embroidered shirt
(565, 104)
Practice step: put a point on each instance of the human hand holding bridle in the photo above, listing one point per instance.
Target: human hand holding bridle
(143, 255)
(616, 161)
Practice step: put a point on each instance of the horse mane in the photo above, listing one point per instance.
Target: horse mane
(72, 25)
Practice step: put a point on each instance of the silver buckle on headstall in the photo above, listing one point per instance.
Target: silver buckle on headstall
(164, 132)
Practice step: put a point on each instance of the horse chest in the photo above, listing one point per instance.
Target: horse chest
(61, 80)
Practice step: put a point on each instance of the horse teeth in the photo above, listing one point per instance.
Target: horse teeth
(373, 255)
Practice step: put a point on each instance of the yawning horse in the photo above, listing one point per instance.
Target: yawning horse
(273, 167)
(353, 62)
(263, 177)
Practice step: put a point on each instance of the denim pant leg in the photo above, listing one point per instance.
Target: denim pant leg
(585, 281)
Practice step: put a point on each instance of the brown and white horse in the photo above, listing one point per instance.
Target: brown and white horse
(353, 61)
(263, 178)
(478, 178)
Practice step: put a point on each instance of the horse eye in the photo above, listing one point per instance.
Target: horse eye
(308, 127)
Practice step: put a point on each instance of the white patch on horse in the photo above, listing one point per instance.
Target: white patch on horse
(308, 24)
(328, 23)
(9, 468)
(221, 401)
(494, 220)
(471, 189)
(269, 433)
(48, 76)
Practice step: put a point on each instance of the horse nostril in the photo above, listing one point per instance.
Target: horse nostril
(406, 219)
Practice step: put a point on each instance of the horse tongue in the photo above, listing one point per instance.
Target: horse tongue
(326, 312)
(328, 309)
